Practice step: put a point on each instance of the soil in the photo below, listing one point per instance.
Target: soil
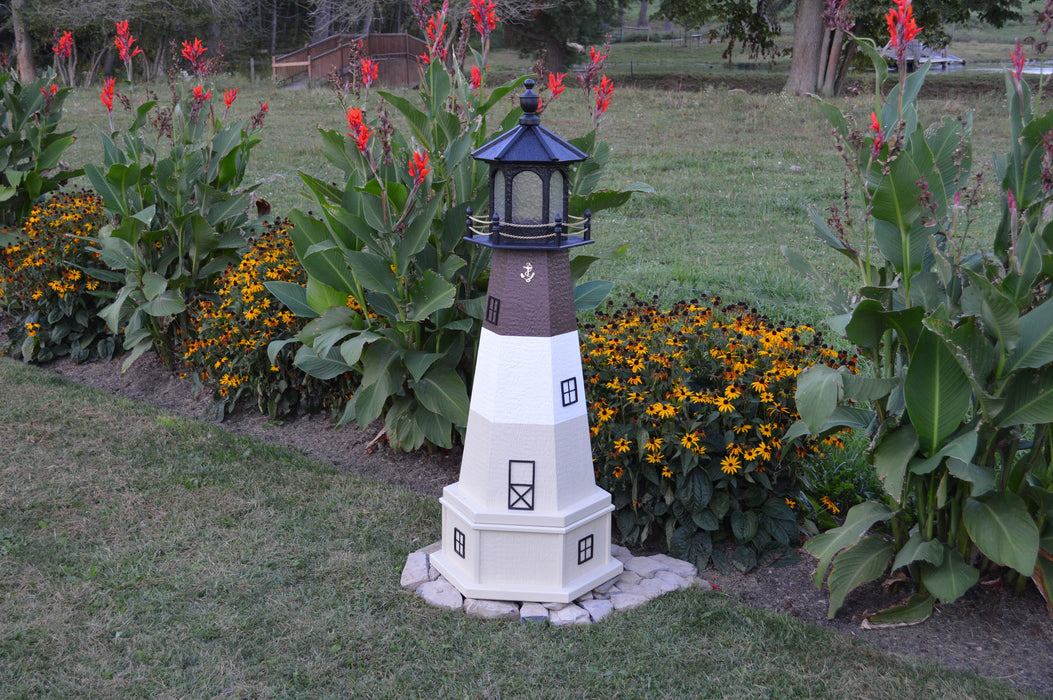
(989, 630)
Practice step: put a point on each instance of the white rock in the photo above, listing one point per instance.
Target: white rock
(648, 588)
(586, 596)
(533, 612)
(605, 587)
(416, 570)
(645, 566)
(491, 609)
(598, 609)
(555, 606)
(570, 615)
(628, 578)
(441, 594)
(620, 553)
(433, 573)
(684, 569)
(674, 580)
(627, 601)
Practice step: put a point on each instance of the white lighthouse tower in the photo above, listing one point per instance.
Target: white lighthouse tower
(526, 521)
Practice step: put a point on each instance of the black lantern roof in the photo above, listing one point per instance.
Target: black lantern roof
(529, 142)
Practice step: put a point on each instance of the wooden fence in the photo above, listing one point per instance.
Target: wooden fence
(396, 56)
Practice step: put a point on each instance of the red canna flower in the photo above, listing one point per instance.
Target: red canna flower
(201, 94)
(879, 138)
(107, 93)
(555, 83)
(64, 45)
(49, 91)
(257, 119)
(418, 167)
(484, 14)
(434, 29)
(477, 77)
(604, 92)
(901, 27)
(369, 71)
(360, 132)
(593, 67)
(229, 96)
(1018, 62)
(193, 53)
(124, 41)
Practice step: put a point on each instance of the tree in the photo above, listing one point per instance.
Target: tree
(570, 21)
(821, 50)
(23, 44)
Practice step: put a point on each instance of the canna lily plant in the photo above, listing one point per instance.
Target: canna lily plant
(394, 294)
(960, 344)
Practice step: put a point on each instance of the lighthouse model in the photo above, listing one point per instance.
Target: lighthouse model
(526, 521)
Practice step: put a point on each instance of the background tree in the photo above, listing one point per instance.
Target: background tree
(550, 28)
(820, 58)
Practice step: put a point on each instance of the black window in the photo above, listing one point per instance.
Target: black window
(520, 485)
(493, 309)
(569, 389)
(458, 542)
(585, 549)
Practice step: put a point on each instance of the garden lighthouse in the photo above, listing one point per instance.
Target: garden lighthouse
(526, 521)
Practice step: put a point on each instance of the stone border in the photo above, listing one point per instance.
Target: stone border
(644, 579)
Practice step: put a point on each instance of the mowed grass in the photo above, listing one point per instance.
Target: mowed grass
(143, 555)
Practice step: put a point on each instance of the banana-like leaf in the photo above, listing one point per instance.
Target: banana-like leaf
(962, 447)
(1043, 578)
(819, 388)
(919, 549)
(914, 611)
(857, 565)
(1029, 399)
(951, 579)
(1035, 348)
(443, 392)
(937, 392)
(1003, 530)
(589, 295)
(859, 519)
(898, 230)
(891, 457)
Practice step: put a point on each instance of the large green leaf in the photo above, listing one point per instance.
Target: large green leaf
(442, 391)
(891, 457)
(919, 549)
(1029, 399)
(855, 566)
(962, 447)
(167, 303)
(818, 390)
(1003, 530)
(696, 490)
(897, 216)
(982, 478)
(589, 295)
(937, 392)
(859, 519)
(999, 313)
(915, 610)
(870, 320)
(1035, 348)
(951, 579)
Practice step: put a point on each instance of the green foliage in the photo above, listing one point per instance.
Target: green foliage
(690, 409)
(960, 345)
(391, 239)
(229, 334)
(30, 144)
(45, 285)
(180, 210)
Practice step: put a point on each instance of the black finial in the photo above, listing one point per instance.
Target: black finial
(529, 101)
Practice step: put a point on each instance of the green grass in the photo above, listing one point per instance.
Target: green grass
(143, 555)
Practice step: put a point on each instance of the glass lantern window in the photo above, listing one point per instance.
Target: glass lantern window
(527, 204)
(498, 188)
(555, 195)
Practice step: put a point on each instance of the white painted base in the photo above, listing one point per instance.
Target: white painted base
(513, 557)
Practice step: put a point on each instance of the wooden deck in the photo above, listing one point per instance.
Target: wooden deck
(396, 56)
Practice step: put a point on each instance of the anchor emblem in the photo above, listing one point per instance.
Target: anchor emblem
(528, 273)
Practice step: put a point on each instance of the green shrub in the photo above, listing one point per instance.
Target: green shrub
(689, 408)
(45, 285)
(227, 346)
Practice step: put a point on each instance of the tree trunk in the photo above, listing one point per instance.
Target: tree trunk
(274, 28)
(23, 45)
(555, 55)
(323, 17)
(833, 64)
(642, 20)
(808, 31)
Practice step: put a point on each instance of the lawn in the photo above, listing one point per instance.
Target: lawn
(149, 556)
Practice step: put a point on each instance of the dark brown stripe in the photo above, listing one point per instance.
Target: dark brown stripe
(541, 307)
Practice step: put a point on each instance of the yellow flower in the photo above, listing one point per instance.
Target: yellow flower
(622, 445)
(667, 472)
(830, 505)
(730, 464)
(654, 444)
(744, 428)
(724, 405)
(690, 440)
(790, 502)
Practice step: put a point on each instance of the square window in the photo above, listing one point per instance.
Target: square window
(458, 542)
(585, 546)
(493, 309)
(569, 389)
(520, 485)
